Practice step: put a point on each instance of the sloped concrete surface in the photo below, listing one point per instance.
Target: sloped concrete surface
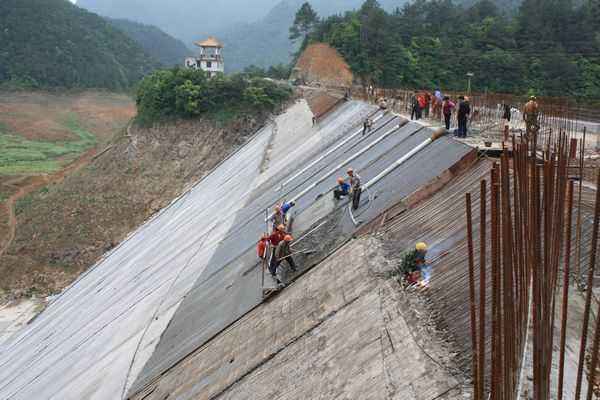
(340, 332)
(191, 272)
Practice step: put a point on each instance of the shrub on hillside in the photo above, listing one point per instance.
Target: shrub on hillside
(186, 93)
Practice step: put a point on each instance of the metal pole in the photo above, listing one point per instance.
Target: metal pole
(482, 289)
(472, 295)
(588, 297)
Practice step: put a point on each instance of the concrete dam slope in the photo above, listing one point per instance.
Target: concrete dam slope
(191, 271)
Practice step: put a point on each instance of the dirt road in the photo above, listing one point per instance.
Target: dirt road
(36, 182)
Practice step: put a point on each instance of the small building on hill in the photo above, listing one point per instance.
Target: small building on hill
(210, 59)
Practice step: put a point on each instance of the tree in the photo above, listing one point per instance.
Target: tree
(304, 23)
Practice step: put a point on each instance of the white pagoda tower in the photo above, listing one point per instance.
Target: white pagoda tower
(210, 58)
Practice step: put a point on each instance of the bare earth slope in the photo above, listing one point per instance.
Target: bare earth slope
(66, 227)
(322, 64)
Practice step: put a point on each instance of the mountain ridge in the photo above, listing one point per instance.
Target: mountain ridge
(66, 46)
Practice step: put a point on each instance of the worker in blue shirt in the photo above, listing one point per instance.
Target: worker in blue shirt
(343, 189)
(286, 206)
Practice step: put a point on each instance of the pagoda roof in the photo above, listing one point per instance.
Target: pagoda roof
(210, 42)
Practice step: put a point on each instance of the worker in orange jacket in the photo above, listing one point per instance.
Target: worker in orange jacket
(261, 247)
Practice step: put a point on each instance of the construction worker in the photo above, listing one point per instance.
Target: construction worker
(355, 187)
(367, 125)
(413, 264)
(261, 247)
(530, 114)
(383, 104)
(286, 206)
(277, 235)
(275, 239)
(278, 217)
(282, 252)
(415, 107)
(447, 107)
(342, 190)
(462, 116)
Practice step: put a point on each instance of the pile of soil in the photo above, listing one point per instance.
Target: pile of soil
(322, 65)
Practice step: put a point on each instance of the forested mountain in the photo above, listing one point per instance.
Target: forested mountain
(266, 42)
(161, 46)
(53, 43)
(253, 32)
(547, 47)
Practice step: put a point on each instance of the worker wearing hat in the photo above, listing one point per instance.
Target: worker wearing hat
(530, 115)
(278, 218)
(413, 263)
(283, 252)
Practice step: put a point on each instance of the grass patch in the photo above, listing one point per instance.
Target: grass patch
(21, 156)
(23, 203)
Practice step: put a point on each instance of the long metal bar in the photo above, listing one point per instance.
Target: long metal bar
(482, 289)
(475, 367)
(565, 298)
(403, 159)
(579, 194)
(588, 297)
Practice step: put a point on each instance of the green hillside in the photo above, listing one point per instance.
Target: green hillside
(53, 43)
(546, 47)
(162, 47)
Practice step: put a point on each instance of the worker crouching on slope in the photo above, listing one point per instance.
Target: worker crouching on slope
(355, 187)
(343, 189)
(413, 266)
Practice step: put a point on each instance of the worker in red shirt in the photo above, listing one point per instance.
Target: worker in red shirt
(276, 237)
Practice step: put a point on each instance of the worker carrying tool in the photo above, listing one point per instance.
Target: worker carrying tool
(343, 189)
(282, 252)
(355, 187)
(413, 265)
(277, 236)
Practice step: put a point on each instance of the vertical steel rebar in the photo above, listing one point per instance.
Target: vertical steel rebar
(482, 287)
(579, 194)
(588, 297)
(472, 294)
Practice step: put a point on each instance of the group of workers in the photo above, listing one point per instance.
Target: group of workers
(349, 187)
(280, 240)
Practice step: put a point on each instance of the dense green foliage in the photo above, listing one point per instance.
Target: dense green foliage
(186, 93)
(279, 71)
(53, 43)
(162, 47)
(254, 32)
(550, 47)
(304, 22)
